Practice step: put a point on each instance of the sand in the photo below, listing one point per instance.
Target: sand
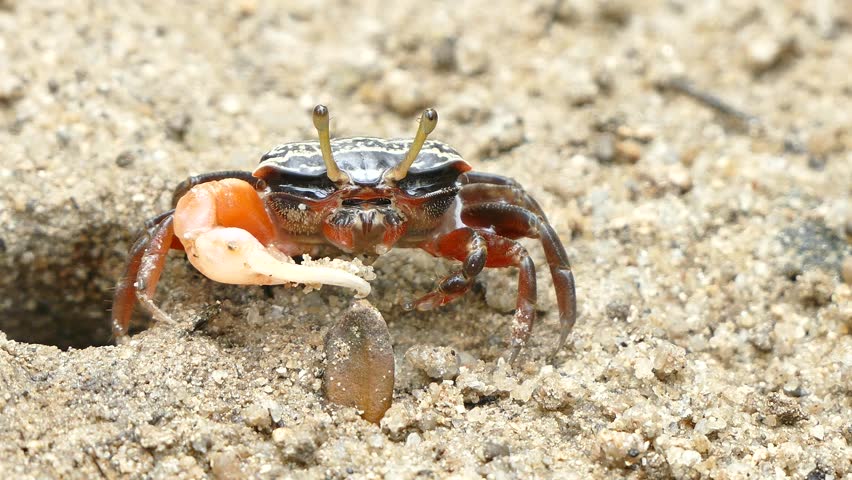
(709, 243)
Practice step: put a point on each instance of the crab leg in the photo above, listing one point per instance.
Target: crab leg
(476, 193)
(513, 221)
(139, 281)
(464, 244)
(469, 178)
(479, 187)
(504, 252)
(229, 237)
(478, 250)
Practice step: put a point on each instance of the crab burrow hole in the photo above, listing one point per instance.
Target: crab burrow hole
(57, 275)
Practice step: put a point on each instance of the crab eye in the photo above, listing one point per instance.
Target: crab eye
(437, 176)
(315, 186)
(427, 182)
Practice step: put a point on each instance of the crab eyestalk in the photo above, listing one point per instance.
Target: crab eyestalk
(428, 121)
(334, 173)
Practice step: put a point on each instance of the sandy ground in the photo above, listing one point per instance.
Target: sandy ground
(709, 246)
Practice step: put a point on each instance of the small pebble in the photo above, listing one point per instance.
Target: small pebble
(795, 391)
(669, 360)
(681, 460)
(413, 440)
(375, 441)
(299, 444)
(231, 104)
(471, 57)
(618, 310)
(629, 151)
(475, 386)
(566, 11)
(257, 416)
(605, 80)
(818, 432)
(404, 94)
(847, 227)
(219, 376)
(125, 159)
(200, 442)
(492, 450)
(63, 136)
(226, 465)
(603, 146)
(279, 435)
(440, 363)
(11, 88)
(156, 438)
(178, 126)
(620, 449)
(398, 419)
(779, 410)
(615, 11)
(580, 87)
(246, 8)
(846, 270)
(503, 133)
(444, 54)
(815, 287)
(818, 474)
(303, 11)
(768, 51)
(276, 411)
(678, 176)
(824, 142)
(552, 394)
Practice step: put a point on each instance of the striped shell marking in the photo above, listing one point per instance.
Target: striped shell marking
(364, 159)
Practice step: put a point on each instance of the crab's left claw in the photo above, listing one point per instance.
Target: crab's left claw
(229, 238)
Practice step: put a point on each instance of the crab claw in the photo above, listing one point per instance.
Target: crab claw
(233, 255)
(210, 232)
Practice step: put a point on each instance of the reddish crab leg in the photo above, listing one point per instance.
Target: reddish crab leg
(514, 222)
(478, 250)
(504, 252)
(140, 278)
(464, 244)
(151, 266)
(125, 292)
(471, 177)
(484, 192)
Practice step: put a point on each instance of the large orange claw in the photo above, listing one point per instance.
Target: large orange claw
(228, 237)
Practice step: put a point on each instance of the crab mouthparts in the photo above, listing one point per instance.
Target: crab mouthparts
(368, 230)
(366, 202)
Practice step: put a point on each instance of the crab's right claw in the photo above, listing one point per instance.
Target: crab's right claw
(233, 255)
(229, 238)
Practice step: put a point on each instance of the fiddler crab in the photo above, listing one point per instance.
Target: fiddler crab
(360, 196)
